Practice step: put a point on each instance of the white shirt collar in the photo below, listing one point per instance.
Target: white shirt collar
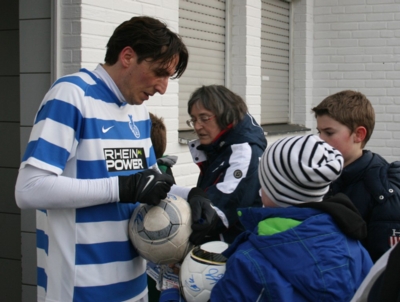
(102, 74)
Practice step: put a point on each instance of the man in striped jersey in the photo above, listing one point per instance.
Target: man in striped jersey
(90, 161)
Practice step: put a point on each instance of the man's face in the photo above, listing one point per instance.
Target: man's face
(140, 81)
(340, 137)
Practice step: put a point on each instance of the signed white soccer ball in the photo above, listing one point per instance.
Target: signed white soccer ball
(161, 233)
(201, 269)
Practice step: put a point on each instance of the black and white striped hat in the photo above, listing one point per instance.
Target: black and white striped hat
(299, 169)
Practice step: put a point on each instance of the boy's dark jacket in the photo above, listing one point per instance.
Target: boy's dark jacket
(373, 185)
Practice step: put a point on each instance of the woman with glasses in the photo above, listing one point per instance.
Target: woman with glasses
(227, 151)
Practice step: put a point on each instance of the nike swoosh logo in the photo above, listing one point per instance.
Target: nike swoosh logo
(105, 130)
(150, 177)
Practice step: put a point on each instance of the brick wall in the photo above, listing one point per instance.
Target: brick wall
(357, 46)
(245, 53)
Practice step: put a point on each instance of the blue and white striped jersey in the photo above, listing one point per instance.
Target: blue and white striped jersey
(83, 131)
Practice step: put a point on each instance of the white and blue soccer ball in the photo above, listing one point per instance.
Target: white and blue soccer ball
(161, 233)
(201, 269)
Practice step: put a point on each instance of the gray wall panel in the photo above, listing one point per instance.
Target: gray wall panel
(35, 46)
(7, 185)
(35, 87)
(37, 9)
(10, 59)
(28, 220)
(9, 14)
(10, 276)
(9, 136)
(10, 224)
(29, 258)
(29, 293)
(9, 99)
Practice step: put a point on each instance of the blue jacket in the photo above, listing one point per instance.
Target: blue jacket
(373, 185)
(228, 172)
(313, 261)
(320, 259)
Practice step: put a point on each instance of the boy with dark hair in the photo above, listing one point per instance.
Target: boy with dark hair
(158, 135)
(159, 140)
(346, 120)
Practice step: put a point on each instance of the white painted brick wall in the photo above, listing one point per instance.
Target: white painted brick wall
(301, 63)
(356, 46)
(246, 53)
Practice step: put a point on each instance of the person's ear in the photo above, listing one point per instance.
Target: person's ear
(127, 56)
(360, 134)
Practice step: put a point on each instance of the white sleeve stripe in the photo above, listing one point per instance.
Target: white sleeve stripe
(239, 162)
(222, 216)
(53, 132)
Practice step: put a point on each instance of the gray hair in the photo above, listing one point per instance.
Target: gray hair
(228, 107)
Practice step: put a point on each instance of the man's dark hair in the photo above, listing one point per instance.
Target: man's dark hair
(151, 39)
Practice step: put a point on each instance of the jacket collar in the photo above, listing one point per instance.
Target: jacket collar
(355, 170)
(343, 212)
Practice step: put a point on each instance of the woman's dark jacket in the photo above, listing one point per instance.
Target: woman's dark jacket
(228, 172)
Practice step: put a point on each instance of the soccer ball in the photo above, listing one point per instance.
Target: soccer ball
(161, 233)
(201, 269)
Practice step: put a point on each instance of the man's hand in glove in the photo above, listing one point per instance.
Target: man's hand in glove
(147, 186)
(204, 217)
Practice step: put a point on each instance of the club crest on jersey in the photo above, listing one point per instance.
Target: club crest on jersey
(395, 238)
(134, 129)
(125, 159)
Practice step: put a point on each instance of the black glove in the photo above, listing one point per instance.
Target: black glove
(204, 217)
(147, 186)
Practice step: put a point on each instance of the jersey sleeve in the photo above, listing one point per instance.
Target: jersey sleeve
(55, 133)
(41, 189)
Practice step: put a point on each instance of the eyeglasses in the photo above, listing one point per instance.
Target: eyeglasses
(202, 119)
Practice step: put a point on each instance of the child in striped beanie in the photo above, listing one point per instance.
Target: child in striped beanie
(298, 169)
(300, 246)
